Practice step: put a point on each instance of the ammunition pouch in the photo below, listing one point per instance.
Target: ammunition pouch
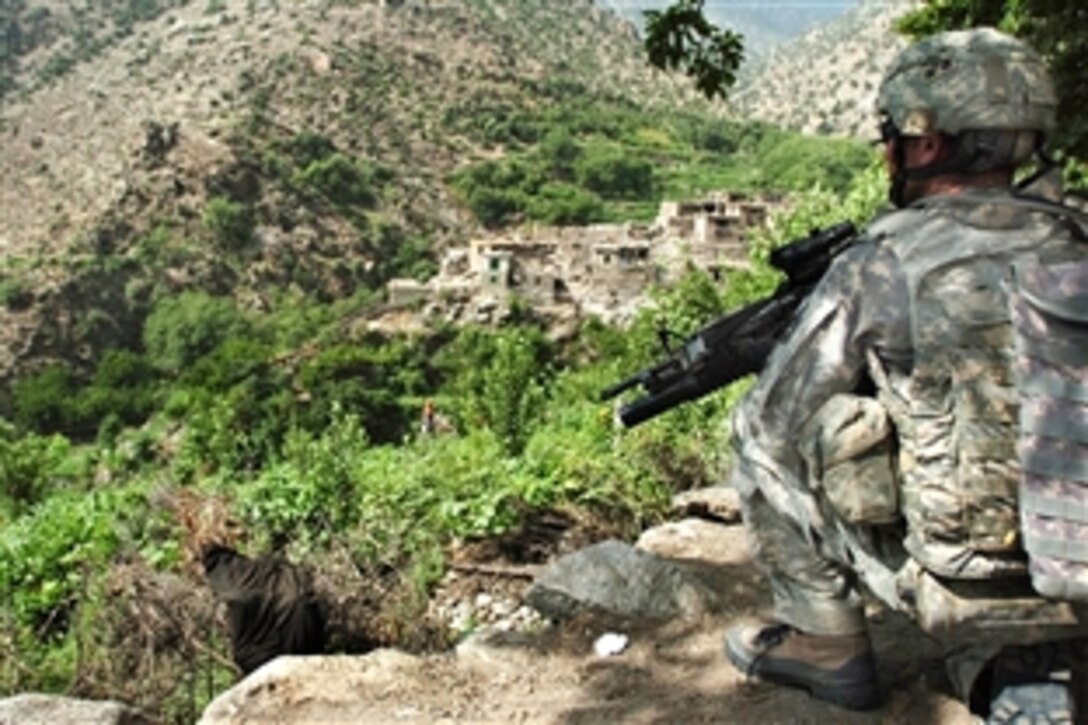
(849, 448)
(996, 611)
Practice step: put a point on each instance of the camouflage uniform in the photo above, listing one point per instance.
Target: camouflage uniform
(816, 534)
(880, 444)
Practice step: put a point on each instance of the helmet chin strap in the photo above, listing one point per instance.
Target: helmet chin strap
(969, 151)
(898, 189)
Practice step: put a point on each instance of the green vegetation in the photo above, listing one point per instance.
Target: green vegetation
(230, 223)
(309, 438)
(303, 427)
(680, 36)
(577, 161)
(14, 294)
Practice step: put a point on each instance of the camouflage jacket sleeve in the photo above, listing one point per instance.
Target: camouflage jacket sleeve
(861, 303)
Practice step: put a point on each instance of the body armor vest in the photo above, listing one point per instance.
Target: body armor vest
(956, 411)
(1050, 321)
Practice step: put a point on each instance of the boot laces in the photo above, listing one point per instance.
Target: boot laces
(766, 640)
(773, 635)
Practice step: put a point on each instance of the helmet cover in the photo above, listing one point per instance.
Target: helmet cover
(968, 80)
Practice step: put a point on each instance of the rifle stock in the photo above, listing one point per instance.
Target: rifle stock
(738, 343)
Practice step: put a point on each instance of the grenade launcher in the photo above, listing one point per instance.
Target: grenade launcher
(737, 343)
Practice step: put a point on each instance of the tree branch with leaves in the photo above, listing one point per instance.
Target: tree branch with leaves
(681, 38)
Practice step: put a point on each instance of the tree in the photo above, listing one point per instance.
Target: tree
(184, 328)
(680, 37)
(1055, 28)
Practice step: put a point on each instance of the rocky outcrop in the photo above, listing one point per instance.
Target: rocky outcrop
(609, 662)
(35, 709)
(826, 80)
(678, 572)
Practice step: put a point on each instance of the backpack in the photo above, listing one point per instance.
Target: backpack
(1048, 300)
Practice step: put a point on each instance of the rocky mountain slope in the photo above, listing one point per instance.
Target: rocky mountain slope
(375, 77)
(251, 145)
(826, 80)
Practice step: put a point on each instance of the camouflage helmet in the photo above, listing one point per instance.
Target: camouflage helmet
(969, 80)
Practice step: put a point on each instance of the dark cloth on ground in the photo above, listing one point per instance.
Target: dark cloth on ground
(271, 606)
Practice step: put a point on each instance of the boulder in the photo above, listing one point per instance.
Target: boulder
(295, 688)
(615, 578)
(36, 709)
(697, 541)
(716, 503)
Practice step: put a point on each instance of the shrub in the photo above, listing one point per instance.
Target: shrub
(367, 380)
(615, 175)
(310, 492)
(495, 207)
(47, 561)
(560, 203)
(231, 223)
(559, 151)
(500, 379)
(29, 466)
(181, 329)
(341, 180)
(799, 163)
(14, 294)
(232, 360)
(123, 385)
(42, 401)
(306, 147)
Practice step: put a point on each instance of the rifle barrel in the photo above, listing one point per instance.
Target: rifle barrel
(646, 407)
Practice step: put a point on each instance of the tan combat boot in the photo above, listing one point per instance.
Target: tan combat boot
(839, 669)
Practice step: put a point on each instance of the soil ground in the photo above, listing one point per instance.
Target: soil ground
(669, 672)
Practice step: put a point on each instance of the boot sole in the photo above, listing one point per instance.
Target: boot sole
(846, 687)
(1037, 703)
(1035, 685)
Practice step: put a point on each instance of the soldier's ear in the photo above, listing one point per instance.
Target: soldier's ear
(933, 147)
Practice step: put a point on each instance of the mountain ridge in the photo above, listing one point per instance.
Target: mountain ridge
(830, 74)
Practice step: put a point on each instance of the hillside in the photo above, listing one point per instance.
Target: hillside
(318, 134)
(393, 82)
(830, 73)
(203, 205)
(387, 82)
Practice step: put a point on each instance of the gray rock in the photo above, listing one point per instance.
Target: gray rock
(617, 579)
(313, 689)
(37, 709)
(717, 503)
(697, 540)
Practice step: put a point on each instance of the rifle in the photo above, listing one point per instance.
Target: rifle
(738, 343)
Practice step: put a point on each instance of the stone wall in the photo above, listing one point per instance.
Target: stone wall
(601, 269)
